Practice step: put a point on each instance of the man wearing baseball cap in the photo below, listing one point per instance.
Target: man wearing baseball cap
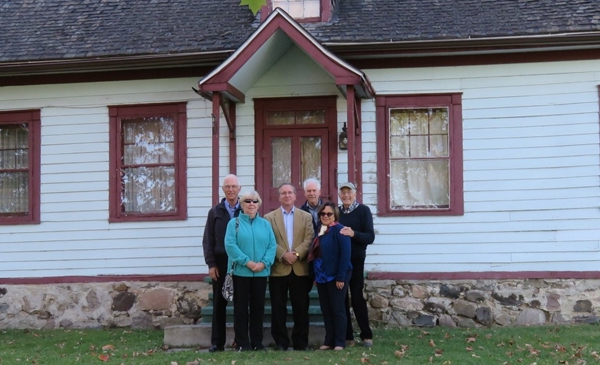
(357, 220)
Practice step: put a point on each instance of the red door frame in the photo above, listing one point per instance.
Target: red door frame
(327, 103)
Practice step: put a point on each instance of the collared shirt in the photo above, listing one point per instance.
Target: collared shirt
(314, 211)
(288, 222)
(231, 209)
(350, 208)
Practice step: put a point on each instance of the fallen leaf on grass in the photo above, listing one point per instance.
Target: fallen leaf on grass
(364, 360)
(431, 343)
(469, 348)
(108, 347)
(104, 357)
(471, 339)
(399, 353)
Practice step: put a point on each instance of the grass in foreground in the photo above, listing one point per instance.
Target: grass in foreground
(523, 345)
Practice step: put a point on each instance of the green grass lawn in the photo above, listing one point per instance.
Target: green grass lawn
(568, 345)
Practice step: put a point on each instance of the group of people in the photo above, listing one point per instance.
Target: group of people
(289, 248)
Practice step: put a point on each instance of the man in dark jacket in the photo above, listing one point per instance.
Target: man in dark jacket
(215, 256)
(312, 192)
(357, 220)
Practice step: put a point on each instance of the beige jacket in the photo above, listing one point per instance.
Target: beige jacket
(303, 236)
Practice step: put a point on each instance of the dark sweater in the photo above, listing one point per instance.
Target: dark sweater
(361, 222)
(213, 241)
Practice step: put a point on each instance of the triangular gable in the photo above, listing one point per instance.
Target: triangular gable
(279, 21)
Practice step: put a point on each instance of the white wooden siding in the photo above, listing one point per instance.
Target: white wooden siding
(531, 172)
(74, 237)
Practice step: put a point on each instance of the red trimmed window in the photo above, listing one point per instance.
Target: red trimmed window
(420, 168)
(20, 167)
(148, 162)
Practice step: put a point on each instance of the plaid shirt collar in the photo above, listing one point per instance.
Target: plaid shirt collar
(350, 208)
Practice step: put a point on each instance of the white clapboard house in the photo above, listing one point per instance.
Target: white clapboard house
(471, 129)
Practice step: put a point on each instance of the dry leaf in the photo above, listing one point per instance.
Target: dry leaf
(108, 347)
(469, 348)
(439, 351)
(431, 343)
(431, 359)
(364, 360)
(399, 353)
(195, 362)
(471, 339)
(174, 363)
(104, 357)
(488, 336)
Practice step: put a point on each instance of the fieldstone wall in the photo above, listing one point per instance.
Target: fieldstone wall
(450, 303)
(98, 305)
(482, 303)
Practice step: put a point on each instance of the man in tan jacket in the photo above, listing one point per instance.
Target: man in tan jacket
(293, 229)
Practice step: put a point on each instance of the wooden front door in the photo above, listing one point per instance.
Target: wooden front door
(296, 140)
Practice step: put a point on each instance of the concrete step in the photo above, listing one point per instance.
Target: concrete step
(314, 313)
(181, 336)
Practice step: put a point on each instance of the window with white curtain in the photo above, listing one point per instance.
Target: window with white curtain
(19, 167)
(148, 157)
(421, 162)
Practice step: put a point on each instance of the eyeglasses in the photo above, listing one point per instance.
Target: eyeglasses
(325, 214)
(248, 201)
(227, 187)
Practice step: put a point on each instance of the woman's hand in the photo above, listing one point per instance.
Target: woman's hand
(258, 267)
(339, 284)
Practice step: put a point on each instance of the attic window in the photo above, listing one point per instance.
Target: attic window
(304, 10)
(300, 9)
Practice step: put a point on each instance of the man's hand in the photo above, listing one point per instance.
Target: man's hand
(213, 272)
(289, 258)
(347, 231)
(339, 284)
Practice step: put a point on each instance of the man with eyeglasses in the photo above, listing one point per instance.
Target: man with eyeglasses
(213, 244)
(357, 220)
(293, 229)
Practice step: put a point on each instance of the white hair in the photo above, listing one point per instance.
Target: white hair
(312, 180)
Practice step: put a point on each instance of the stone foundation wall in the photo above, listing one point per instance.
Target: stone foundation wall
(451, 303)
(98, 305)
(482, 303)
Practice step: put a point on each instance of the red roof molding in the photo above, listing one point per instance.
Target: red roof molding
(344, 74)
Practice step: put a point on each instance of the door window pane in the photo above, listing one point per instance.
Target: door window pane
(310, 152)
(296, 117)
(281, 151)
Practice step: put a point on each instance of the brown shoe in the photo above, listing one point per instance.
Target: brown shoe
(338, 348)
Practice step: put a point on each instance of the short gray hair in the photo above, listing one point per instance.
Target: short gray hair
(253, 195)
(311, 180)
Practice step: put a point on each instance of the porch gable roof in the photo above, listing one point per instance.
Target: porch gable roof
(264, 47)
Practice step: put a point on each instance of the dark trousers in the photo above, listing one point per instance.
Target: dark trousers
(359, 304)
(219, 319)
(298, 288)
(248, 310)
(334, 312)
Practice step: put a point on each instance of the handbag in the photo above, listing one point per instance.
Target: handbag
(227, 289)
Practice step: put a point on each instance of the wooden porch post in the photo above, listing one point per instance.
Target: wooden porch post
(216, 106)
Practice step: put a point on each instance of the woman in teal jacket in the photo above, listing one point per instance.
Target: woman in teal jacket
(250, 245)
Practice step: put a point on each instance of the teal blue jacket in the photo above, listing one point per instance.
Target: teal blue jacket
(250, 241)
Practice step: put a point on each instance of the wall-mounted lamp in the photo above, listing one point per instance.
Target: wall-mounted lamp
(343, 141)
